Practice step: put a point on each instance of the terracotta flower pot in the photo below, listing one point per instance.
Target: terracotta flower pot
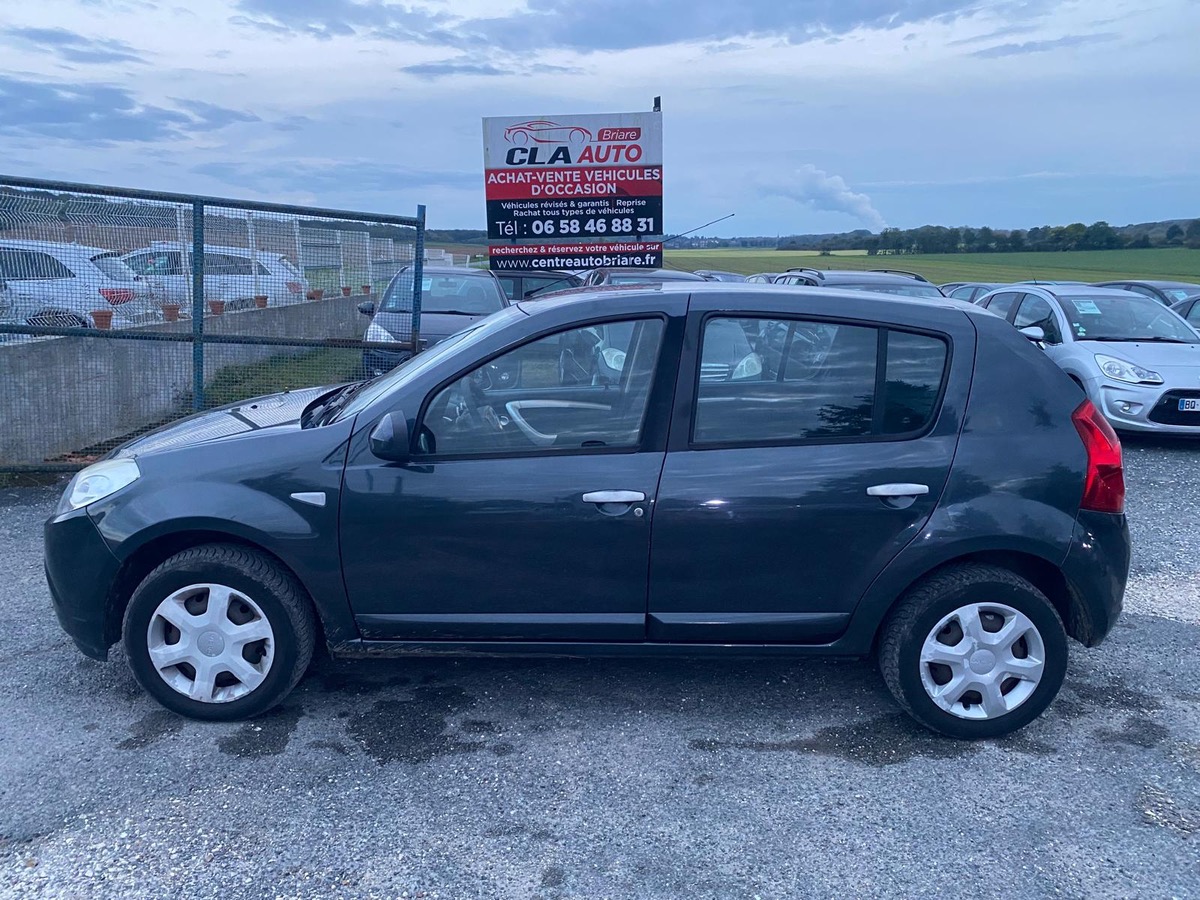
(170, 312)
(320, 294)
(102, 318)
(216, 307)
(366, 289)
(261, 300)
(345, 290)
(311, 295)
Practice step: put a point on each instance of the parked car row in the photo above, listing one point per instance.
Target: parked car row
(52, 283)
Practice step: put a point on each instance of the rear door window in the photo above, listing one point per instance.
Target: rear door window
(765, 381)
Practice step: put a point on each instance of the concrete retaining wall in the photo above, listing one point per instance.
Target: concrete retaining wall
(60, 395)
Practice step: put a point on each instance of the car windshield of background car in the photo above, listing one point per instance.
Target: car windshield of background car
(1100, 318)
(477, 295)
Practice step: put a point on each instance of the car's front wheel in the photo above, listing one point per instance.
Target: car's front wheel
(974, 651)
(219, 632)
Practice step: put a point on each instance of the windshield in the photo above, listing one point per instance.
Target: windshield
(415, 365)
(906, 290)
(476, 294)
(1125, 318)
(114, 267)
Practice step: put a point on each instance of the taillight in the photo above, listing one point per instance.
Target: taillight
(117, 296)
(293, 287)
(1104, 488)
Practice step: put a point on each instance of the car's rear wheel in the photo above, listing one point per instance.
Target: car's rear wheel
(219, 632)
(974, 651)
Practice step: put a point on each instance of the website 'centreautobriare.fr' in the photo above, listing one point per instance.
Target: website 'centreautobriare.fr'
(588, 261)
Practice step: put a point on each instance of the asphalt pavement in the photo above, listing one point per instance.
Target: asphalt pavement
(593, 779)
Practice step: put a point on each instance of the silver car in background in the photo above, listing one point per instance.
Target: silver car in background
(1137, 360)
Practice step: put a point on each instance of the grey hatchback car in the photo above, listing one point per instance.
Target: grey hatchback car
(913, 481)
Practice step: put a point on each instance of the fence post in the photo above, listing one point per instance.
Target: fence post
(418, 274)
(197, 305)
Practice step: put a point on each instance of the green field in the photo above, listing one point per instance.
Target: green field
(1170, 264)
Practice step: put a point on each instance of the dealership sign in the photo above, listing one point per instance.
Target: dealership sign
(574, 179)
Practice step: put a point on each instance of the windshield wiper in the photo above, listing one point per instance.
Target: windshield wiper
(449, 312)
(325, 412)
(1160, 340)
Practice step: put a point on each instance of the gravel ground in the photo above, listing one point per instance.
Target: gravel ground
(595, 779)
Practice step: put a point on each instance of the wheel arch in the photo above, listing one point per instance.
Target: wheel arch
(147, 557)
(1037, 570)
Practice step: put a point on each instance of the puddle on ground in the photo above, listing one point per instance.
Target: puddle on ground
(413, 730)
(268, 735)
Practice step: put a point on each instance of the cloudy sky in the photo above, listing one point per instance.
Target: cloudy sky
(797, 115)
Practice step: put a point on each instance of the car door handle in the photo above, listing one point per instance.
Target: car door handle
(614, 497)
(897, 490)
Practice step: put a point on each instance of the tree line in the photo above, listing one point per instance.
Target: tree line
(1050, 238)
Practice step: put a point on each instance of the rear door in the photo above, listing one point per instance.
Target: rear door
(792, 480)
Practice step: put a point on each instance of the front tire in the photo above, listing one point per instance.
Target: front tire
(974, 651)
(219, 632)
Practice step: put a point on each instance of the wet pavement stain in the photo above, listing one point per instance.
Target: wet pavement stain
(478, 726)
(413, 730)
(357, 683)
(880, 742)
(553, 877)
(1082, 697)
(267, 735)
(151, 728)
(1138, 731)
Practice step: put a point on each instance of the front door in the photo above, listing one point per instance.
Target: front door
(796, 473)
(524, 513)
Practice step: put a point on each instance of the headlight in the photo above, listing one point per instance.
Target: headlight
(377, 334)
(97, 482)
(1119, 370)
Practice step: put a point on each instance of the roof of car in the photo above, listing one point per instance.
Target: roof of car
(54, 247)
(833, 276)
(1157, 284)
(1066, 290)
(208, 248)
(560, 273)
(580, 294)
(657, 274)
(449, 270)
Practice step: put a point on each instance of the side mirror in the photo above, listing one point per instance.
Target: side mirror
(1035, 333)
(389, 438)
(367, 307)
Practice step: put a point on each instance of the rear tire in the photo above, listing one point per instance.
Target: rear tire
(974, 651)
(219, 632)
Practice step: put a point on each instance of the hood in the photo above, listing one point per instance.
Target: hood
(1149, 355)
(434, 326)
(272, 411)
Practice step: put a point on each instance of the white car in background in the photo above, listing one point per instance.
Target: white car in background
(233, 274)
(59, 284)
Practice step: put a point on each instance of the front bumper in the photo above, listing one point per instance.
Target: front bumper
(1096, 569)
(80, 571)
(376, 362)
(1146, 407)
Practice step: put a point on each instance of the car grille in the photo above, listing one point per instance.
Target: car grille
(1166, 410)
